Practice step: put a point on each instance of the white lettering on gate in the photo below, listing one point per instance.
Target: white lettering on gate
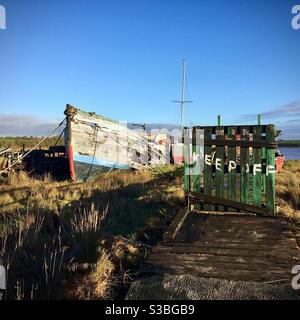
(208, 159)
(247, 168)
(219, 164)
(231, 166)
(270, 170)
(256, 168)
(195, 157)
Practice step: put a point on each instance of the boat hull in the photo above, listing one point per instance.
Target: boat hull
(279, 162)
(95, 142)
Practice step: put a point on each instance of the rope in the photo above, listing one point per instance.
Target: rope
(32, 149)
(59, 138)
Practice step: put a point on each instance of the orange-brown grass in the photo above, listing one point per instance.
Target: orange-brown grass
(288, 190)
(52, 233)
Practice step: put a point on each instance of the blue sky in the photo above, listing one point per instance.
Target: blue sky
(122, 59)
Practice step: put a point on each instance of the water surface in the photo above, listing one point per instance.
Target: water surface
(291, 153)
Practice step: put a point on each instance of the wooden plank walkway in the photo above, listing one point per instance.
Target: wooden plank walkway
(227, 246)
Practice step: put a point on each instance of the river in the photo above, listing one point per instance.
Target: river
(290, 153)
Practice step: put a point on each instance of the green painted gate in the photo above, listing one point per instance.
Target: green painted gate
(236, 170)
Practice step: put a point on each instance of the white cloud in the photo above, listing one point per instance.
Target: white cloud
(286, 118)
(286, 111)
(26, 125)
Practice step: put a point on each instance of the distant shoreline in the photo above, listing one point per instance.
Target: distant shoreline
(289, 143)
(288, 146)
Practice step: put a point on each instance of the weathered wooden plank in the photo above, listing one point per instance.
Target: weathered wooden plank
(257, 169)
(263, 158)
(195, 248)
(176, 225)
(220, 152)
(249, 236)
(187, 178)
(242, 143)
(225, 213)
(235, 233)
(238, 232)
(227, 226)
(231, 175)
(241, 248)
(239, 262)
(196, 162)
(255, 233)
(229, 247)
(208, 182)
(196, 170)
(192, 228)
(263, 243)
(244, 219)
(245, 167)
(270, 174)
(196, 196)
(220, 273)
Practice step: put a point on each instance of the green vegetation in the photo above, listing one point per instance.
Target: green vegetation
(289, 143)
(17, 143)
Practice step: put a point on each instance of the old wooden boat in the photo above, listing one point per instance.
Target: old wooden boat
(95, 143)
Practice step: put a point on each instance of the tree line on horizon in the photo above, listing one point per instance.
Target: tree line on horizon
(18, 143)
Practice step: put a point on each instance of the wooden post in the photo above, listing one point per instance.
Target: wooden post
(219, 165)
(257, 168)
(270, 175)
(245, 167)
(69, 112)
(231, 175)
(208, 178)
(186, 161)
(196, 162)
(186, 147)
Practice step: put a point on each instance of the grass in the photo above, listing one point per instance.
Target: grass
(80, 240)
(288, 190)
(87, 240)
(17, 143)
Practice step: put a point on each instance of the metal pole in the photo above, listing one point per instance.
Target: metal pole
(182, 101)
(182, 93)
(259, 119)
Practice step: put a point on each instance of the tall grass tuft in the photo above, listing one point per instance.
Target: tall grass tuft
(51, 232)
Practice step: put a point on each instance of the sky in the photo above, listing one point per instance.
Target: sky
(122, 59)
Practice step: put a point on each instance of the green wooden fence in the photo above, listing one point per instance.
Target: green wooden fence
(238, 172)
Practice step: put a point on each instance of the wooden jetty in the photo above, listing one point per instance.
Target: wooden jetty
(227, 246)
